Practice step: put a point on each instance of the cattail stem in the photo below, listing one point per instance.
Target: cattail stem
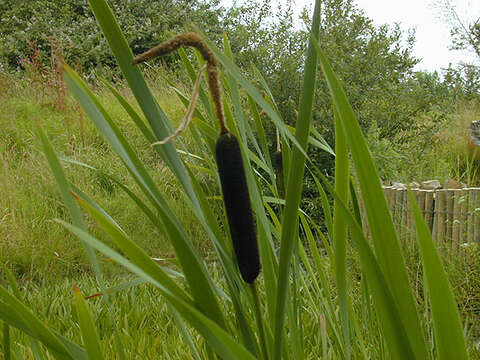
(258, 319)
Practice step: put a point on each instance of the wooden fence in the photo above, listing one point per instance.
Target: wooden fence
(453, 215)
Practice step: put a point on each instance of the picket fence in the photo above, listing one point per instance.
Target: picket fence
(453, 215)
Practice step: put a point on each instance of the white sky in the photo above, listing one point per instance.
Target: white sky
(432, 32)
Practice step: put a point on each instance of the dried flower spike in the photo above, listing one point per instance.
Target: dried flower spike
(192, 39)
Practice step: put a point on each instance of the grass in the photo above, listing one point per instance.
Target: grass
(33, 240)
(148, 329)
(356, 300)
(32, 244)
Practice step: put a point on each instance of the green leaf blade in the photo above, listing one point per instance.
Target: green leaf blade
(87, 327)
(294, 187)
(449, 336)
(387, 246)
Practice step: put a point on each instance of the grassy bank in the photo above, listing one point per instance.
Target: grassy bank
(149, 329)
(49, 260)
(33, 245)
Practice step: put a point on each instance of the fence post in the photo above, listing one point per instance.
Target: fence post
(470, 215)
(429, 209)
(476, 215)
(452, 215)
(450, 194)
(456, 216)
(441, 215)
(464, 201)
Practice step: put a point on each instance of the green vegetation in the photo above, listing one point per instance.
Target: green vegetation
(92, 209)
(36, 247)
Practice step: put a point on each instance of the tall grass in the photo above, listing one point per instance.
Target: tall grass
(295, 294)
(35, 247)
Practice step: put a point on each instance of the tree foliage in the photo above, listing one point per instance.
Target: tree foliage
(70, 24)
(465, 33)
(374, 63)
(464, 78)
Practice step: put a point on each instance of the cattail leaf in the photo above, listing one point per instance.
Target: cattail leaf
(294, 187)
(222, 342)
(141, 204)
(87, 327)
(235, 71)
(67, 197)
(385, 240)
(132, 250)
(260, 132)
(340, 229)
(9, 316)
(130, 111)
(449, 337)
(7, 354)
(15, 313)
(316, 141)
(386, 306)
(152, 111)
(194, 269)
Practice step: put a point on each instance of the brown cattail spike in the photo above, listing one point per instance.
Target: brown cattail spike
(238, 206)
(229, 161)
(192, 39)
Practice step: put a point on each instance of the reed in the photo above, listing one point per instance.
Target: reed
(219, 311)
(229, 160)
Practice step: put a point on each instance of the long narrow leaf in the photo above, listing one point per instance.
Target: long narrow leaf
(223, 344)
(394, 331)
(340, 229)
(449, 337)
(87, 327)
(195, 271)
(235, 71)
(19, 314)
(140, 258)
(294, 187)
(67, 197)
(387, 246)
(154, 114)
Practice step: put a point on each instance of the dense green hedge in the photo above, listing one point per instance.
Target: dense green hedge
(71, 25)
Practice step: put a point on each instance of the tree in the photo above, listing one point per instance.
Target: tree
(374, 63)
(465, 33)
(71, 25)
(464, 78)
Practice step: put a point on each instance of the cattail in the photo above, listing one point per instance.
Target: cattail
(237, 204)
(229, 160)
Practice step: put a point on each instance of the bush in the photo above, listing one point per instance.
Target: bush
(71, 24)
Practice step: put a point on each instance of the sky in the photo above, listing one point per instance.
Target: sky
(432, 32)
